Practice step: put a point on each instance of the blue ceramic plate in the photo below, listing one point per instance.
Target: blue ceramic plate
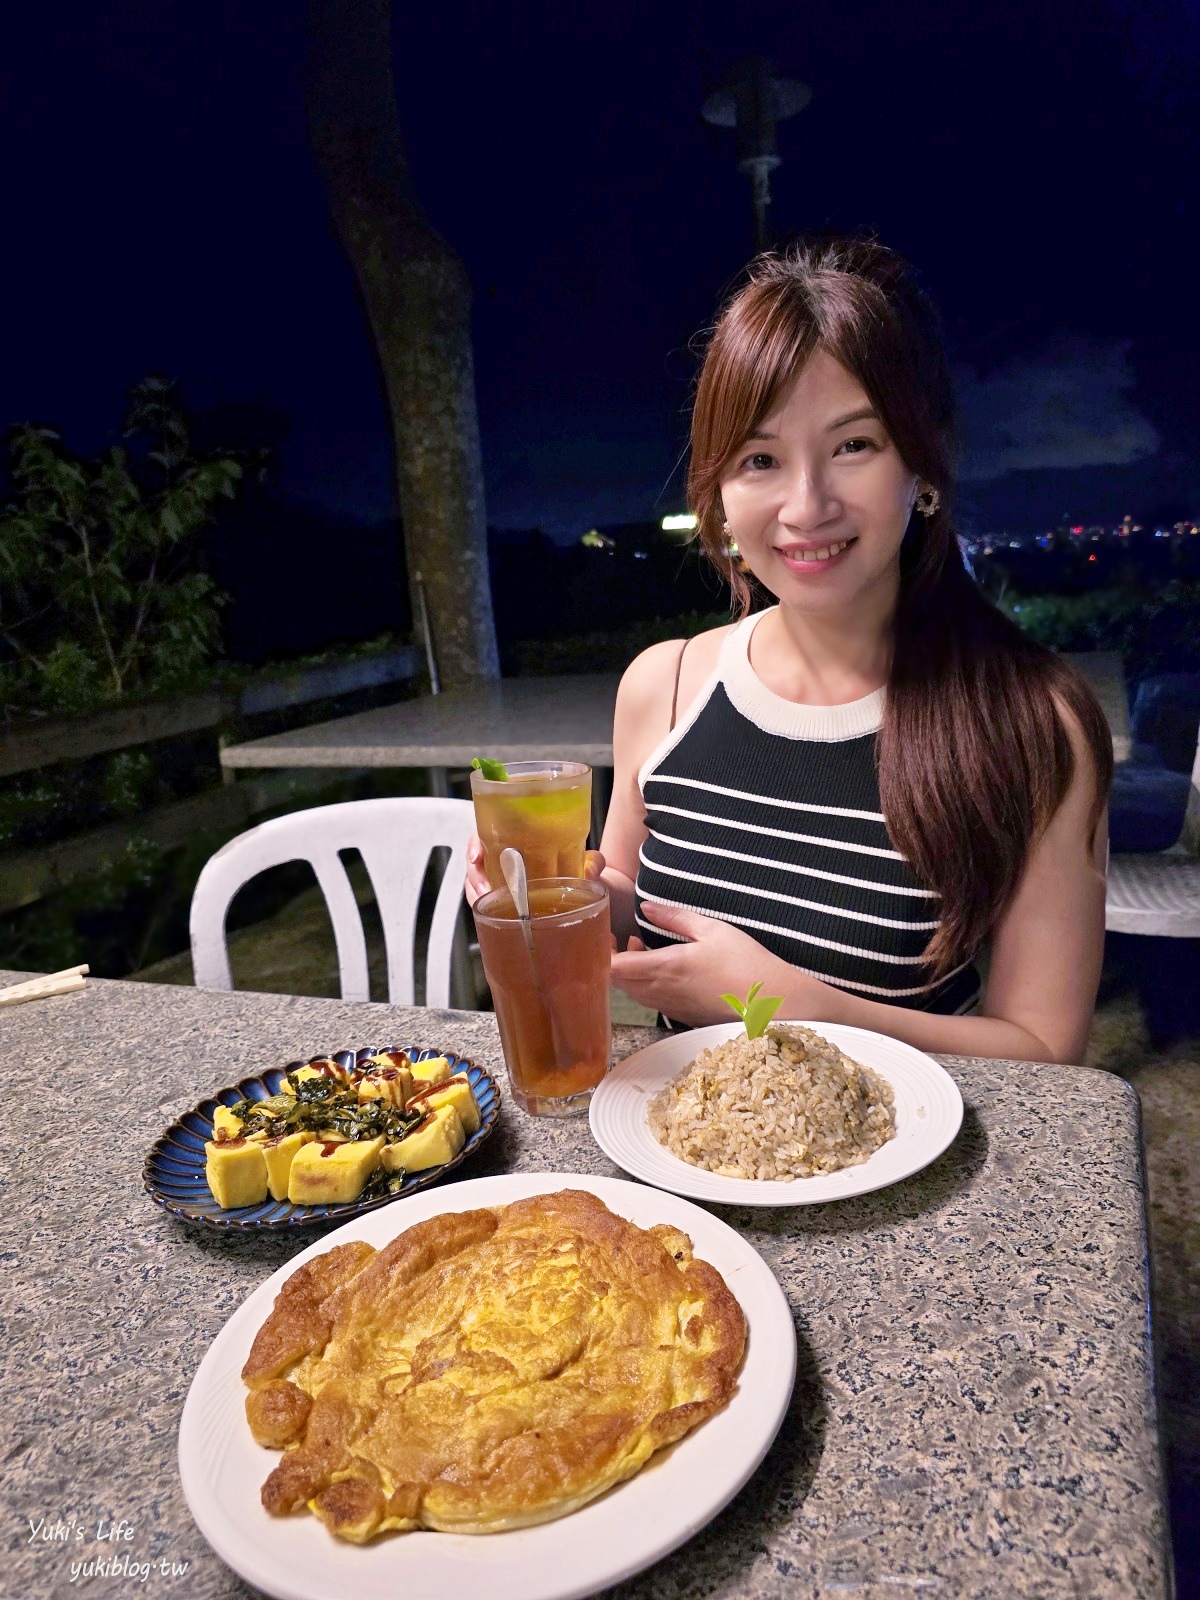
(174, 1171)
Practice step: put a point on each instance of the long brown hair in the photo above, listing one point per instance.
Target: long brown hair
(974, 756)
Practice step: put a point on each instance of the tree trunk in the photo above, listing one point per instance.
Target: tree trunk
(418, 302)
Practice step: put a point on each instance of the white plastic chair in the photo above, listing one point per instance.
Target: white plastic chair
(395, 838)
(1159, 893)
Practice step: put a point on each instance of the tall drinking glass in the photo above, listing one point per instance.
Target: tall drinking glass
(549, 979)
(544, 811)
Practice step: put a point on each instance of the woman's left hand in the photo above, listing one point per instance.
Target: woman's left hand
(686, 981)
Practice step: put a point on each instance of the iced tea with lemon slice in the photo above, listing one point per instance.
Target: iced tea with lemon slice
(543, 809)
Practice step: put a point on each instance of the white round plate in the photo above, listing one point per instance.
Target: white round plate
(928, 1109)
(633, 1525)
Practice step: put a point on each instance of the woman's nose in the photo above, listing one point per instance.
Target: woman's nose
(807, 502)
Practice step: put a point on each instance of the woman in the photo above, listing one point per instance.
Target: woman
(852, 794)
(755, 767)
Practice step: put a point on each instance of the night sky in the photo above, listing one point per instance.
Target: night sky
(1038, 163)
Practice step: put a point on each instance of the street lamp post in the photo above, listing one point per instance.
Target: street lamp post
(754, 102)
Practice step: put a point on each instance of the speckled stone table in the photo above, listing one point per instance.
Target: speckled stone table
(973, 1416)
(512, 719)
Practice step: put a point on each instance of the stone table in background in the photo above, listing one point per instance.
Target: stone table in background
(511, 719)
(1105, 673)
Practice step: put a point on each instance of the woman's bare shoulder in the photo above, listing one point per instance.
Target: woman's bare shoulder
(647, 687)
(652, 672)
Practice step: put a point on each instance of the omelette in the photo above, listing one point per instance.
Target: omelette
(487, 1369)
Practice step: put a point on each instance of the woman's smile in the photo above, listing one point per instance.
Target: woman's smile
(812, 559)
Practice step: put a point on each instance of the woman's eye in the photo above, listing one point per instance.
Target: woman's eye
(759, 462)
(855, 447)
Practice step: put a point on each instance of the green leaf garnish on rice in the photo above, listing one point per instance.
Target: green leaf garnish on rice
(756, 1010)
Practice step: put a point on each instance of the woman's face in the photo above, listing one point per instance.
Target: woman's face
(817, 498)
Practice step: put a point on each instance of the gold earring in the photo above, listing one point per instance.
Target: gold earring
(927, 501)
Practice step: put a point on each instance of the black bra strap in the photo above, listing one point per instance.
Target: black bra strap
(675, 691)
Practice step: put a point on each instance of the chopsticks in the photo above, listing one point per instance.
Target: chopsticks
(65, 982)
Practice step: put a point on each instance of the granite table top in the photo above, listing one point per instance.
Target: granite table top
(530, 719)
(974, 1408)
(512, 719)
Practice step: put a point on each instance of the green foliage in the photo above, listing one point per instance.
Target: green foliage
(1155, 631)
(128, 780)
(101, 597)
(755, 1010)
(607, 652)
(108, 921)
(71, 679)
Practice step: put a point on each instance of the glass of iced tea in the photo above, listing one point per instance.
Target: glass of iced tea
(550, 987)
(544, 810)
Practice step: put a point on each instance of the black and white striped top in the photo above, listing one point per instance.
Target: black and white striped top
(766, 814)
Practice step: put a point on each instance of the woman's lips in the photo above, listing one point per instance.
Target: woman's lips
(813, 563)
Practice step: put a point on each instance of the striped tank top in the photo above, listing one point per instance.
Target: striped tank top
(766, 814)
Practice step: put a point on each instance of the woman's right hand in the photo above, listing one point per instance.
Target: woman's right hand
(476, 880)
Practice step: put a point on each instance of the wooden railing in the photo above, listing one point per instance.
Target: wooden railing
(40, 744)
(31, 875)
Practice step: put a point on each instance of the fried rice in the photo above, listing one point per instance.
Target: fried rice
(786, 1105)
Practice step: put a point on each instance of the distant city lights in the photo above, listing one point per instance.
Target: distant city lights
(1066, 535)
(683, 522)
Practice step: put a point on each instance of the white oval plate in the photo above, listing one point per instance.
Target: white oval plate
(929, 1111)
(681, 1489)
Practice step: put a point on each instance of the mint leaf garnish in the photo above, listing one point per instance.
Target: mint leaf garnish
(493, 771)
(756, 1010)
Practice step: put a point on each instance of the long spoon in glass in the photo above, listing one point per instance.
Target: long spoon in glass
(512, 864)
